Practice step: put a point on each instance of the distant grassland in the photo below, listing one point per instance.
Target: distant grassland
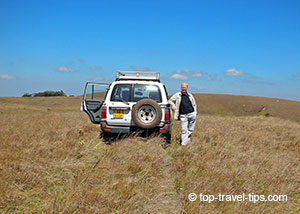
(52, 160)
(208, 104)
(235, 105)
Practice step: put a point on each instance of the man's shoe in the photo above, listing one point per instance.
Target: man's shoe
(186, 143)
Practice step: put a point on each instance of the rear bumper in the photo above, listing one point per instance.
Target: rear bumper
(164, 130)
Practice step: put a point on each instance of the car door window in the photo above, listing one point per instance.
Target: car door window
(121, 92)
(95, 92)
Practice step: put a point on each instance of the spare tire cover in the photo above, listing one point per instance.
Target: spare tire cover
(146, 113)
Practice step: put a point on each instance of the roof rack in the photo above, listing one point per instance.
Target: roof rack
(137, 75)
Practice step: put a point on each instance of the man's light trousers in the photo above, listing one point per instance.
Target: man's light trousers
(188, 122)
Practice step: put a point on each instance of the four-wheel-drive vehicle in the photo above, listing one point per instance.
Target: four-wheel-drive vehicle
(135, 101)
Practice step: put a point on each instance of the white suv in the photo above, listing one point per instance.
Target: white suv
(134, 101)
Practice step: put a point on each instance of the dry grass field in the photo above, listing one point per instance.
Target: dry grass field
(52, 160)
(236, 105)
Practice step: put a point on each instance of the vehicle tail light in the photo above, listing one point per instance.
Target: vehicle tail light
(164, 128)
(103, 113)
(167, 115)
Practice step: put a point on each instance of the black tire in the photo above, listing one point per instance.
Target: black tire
(167, 138)
(146, 113)
(106, 137)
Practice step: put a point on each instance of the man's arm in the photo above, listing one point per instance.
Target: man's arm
(172, 101)
(194, 103)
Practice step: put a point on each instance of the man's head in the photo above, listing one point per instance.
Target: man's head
(184, 87)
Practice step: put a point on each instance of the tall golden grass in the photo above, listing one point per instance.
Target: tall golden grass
(52, 161)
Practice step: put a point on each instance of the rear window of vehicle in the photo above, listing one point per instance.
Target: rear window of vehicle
(121, 92)
(136, 92)
(143, 91)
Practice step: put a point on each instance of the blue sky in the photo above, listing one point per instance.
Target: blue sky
(224, 47)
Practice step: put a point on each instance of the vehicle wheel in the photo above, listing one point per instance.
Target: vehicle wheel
(167, 138)
(106, 138)
(146, 113)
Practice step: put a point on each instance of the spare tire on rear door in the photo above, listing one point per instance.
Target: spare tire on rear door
(146, 113)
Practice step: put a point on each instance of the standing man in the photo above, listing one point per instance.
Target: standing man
(185, 107)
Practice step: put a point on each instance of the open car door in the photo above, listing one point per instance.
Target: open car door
(93, 98)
